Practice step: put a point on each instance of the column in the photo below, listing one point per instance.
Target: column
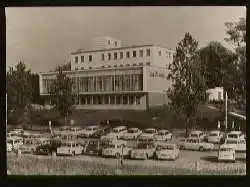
(109, 99)
(128, 99)
(135, 100)
(92, 98)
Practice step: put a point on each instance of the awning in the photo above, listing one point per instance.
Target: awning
(237, 115)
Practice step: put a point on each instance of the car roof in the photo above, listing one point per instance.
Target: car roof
(150, 129)
(227, 146)
(118, 127)
(167, 144)
(92, 126)
(215, 131)
(195, 132)
(133, 128)
(14, 138)
(163, 130)
(235, 132)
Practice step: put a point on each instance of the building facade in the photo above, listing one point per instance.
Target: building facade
(110, 76)
(215, 94)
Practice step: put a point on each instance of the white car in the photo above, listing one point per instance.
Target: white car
(167, 151)
(17, 132)
(163, 135)
(235, 135)
(88, 131)
(195, 144)
(116, 149)
(131, 134)
(13, 143)
(148, 134)
(144, 150)
(30, 144)
(117, 132)
(214, 136)
(226, 153)
(70, 148)
(197, 134)
(239, 144)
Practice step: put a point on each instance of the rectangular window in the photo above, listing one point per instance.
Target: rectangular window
(116, 44)
(82, 59)
(102, 57)
(134, 53)
(112, 100)
(115, 56)
(109, 56)
(90, 58)
(137, 100)
(118, 100)
(127, 54)
(159, 53)
(121, 55)
(148, 52)
(131, 100)
(141, 53)
(76, 59)
(124, 99)
(106, 99)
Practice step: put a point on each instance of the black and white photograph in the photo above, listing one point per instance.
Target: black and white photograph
(126, 90)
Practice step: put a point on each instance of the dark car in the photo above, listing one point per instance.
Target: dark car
(101, 131)
(93, 147)
(48, 149)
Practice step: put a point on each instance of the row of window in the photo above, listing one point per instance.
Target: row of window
(115, 65)
(108, 100)
(114, 56)
(132, 82)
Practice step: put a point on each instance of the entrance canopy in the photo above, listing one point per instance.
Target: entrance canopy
(234, 114)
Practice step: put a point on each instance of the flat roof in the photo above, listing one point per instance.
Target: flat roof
(117, 48)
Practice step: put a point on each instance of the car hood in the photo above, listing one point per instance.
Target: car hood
(147, 135)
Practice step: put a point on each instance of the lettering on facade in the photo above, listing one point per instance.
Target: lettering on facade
(158, 74)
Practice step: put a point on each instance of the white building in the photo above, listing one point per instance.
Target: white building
(215, 94)
(110, 76)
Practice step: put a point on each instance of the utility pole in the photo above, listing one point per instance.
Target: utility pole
(226, 113)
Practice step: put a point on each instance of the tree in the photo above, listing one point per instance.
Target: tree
(61, 94)
(236, 36)
(64, 67)
(188, 82)
(218, 66)
(19, 89)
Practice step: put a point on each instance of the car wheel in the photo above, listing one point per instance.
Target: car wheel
(201, 149)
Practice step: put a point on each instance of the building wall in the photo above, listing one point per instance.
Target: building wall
(97, 61)
(157, 99)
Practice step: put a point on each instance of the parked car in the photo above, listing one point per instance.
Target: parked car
(116, 149)
(102, 131)
(49, 147)
(235, 135)
(148, 134)
(167, 151)
(93, 147)
(89, 131)
(17, 132)
(163, 135)
(116, 132)
(239, 144)
(70, 148)
(144, 150)
(197, 134)
(226, 153)
(195, 144)
(13, 143)
(30, 144)
(214, 136)
(131, 134)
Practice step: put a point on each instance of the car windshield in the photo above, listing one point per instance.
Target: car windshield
(226, 149)
(213, 134)
(162, 133)
(232, 136)
(143, 146)
(231, 141)
(149, 131)
(111, 146)
(169, 147)
(132, 130)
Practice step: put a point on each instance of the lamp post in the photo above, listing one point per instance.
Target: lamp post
(226, 112)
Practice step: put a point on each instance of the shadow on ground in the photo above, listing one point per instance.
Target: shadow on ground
(210, 158)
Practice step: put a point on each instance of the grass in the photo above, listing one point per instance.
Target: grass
(54, 166)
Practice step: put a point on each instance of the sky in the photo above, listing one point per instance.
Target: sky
(43, 37)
